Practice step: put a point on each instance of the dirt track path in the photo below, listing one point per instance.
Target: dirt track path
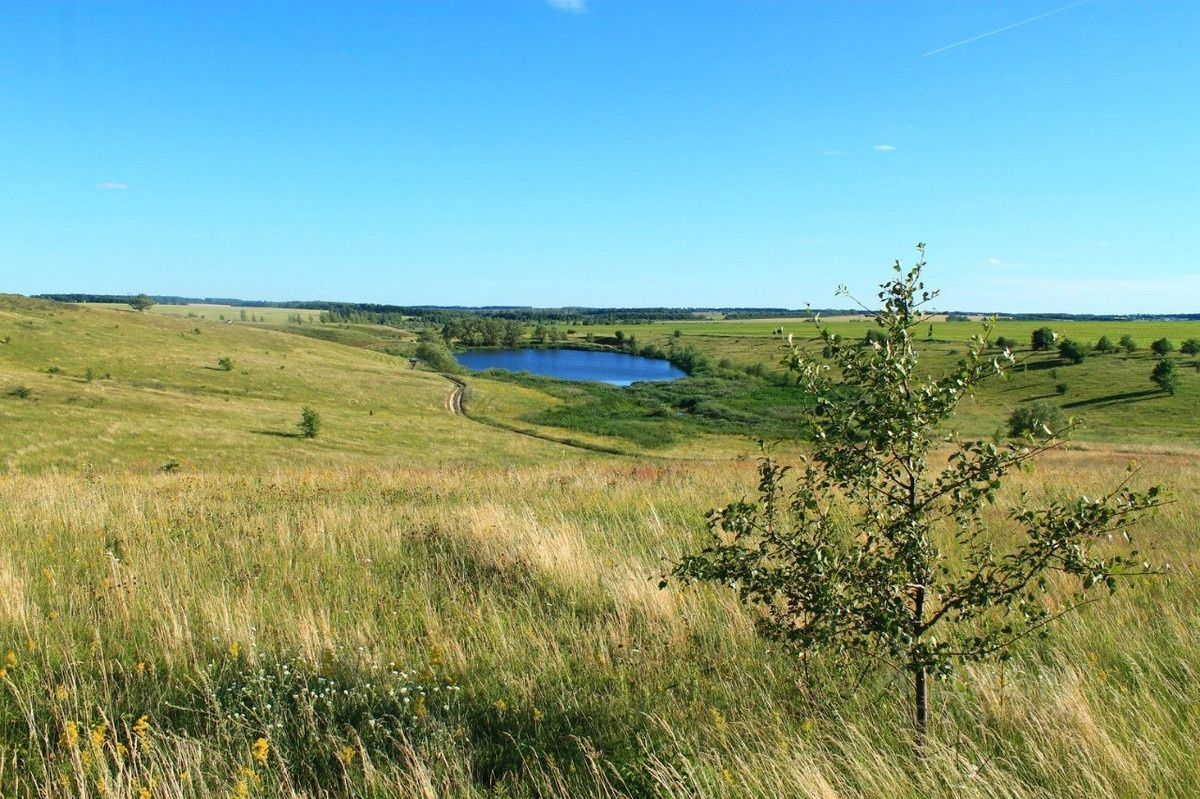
(454, 402)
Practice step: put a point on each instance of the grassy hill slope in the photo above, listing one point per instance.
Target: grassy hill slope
(110, 387)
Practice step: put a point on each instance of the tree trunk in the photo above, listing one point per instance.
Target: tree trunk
(920, 688)
(921, 706)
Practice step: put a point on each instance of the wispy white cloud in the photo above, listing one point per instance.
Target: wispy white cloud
(570, 6)
(995, 262)
(884, 148)
(112, 185)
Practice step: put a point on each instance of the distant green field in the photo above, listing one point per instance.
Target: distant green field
(219, 313)
(1110, 393)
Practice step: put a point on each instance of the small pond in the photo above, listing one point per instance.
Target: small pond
(614, 368)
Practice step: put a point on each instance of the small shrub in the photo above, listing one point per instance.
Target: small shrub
(170, 466)
(1039, 419)
(310, 423)
(1005, 343)
(89, 375)
(1165, 375)
(1042, 338)
(1072, 351)
(1061, 388)
(1128, 344)
(225, 363)
(53, 370)
(1190, 347)
(437, 356)
(1164, 346)
(1105, 345)
(20, 392)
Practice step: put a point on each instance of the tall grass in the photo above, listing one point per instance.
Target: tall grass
(172, 621)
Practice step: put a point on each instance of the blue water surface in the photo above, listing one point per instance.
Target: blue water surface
(614, 368)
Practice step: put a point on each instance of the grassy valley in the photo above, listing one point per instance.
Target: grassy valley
(421, 603)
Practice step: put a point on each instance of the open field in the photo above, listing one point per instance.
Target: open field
(224, 607)
(417, 603)
(112, 388)
(220, 313)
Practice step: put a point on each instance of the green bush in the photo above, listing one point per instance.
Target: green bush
(1164, 346)
(1071, 350)
(1165, 375)
(1035, 419)
(1042, 338)
(437, 356)
(310, 423)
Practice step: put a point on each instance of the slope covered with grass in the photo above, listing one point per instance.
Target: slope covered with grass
(100, 387)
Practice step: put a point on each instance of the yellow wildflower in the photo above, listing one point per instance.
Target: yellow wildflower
(3, 674)
(419, 709)
(98, 734)
(31, 645)
(60, 693)
(143, 793)
(260, 751)
(538, 715)
(501, 706)
(141, 727)
(101, 786)
(241, 790)
(234, 648)
(345, 754)
(10, 659)
(120, 750)
(718, 719)
(184, 776)
(140, 668)
(70, 736)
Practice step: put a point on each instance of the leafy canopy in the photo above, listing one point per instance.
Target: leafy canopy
(880, 554)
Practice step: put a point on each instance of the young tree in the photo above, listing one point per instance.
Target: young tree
(1165, 375)
(1128, 344)
(1105, 344)
(1190, 347)
(876, 555)
(1162, 347)
(1003, 343)
(1071, 350)
(225, 363)
(141, 303)
(1042, 339)
(310, 423)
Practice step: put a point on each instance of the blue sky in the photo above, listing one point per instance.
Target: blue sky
(604, 152)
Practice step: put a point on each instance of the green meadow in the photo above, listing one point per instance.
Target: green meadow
(197, 601)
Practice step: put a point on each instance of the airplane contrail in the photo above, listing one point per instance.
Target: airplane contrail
(1006, 28)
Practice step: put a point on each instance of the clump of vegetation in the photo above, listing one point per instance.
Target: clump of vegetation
(225, 363)
(1042, 339)
(1061, 388)
(849, 563)
(1105, 345)
(20, 392)
(1165, 375)
(1036, 419)
(1072, 351)
(172, 465)
(437, 356)
(1128, 344)
(1162, 347)
(141, 303)
(310, 423)
(1004, 343)
(1190, 346)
